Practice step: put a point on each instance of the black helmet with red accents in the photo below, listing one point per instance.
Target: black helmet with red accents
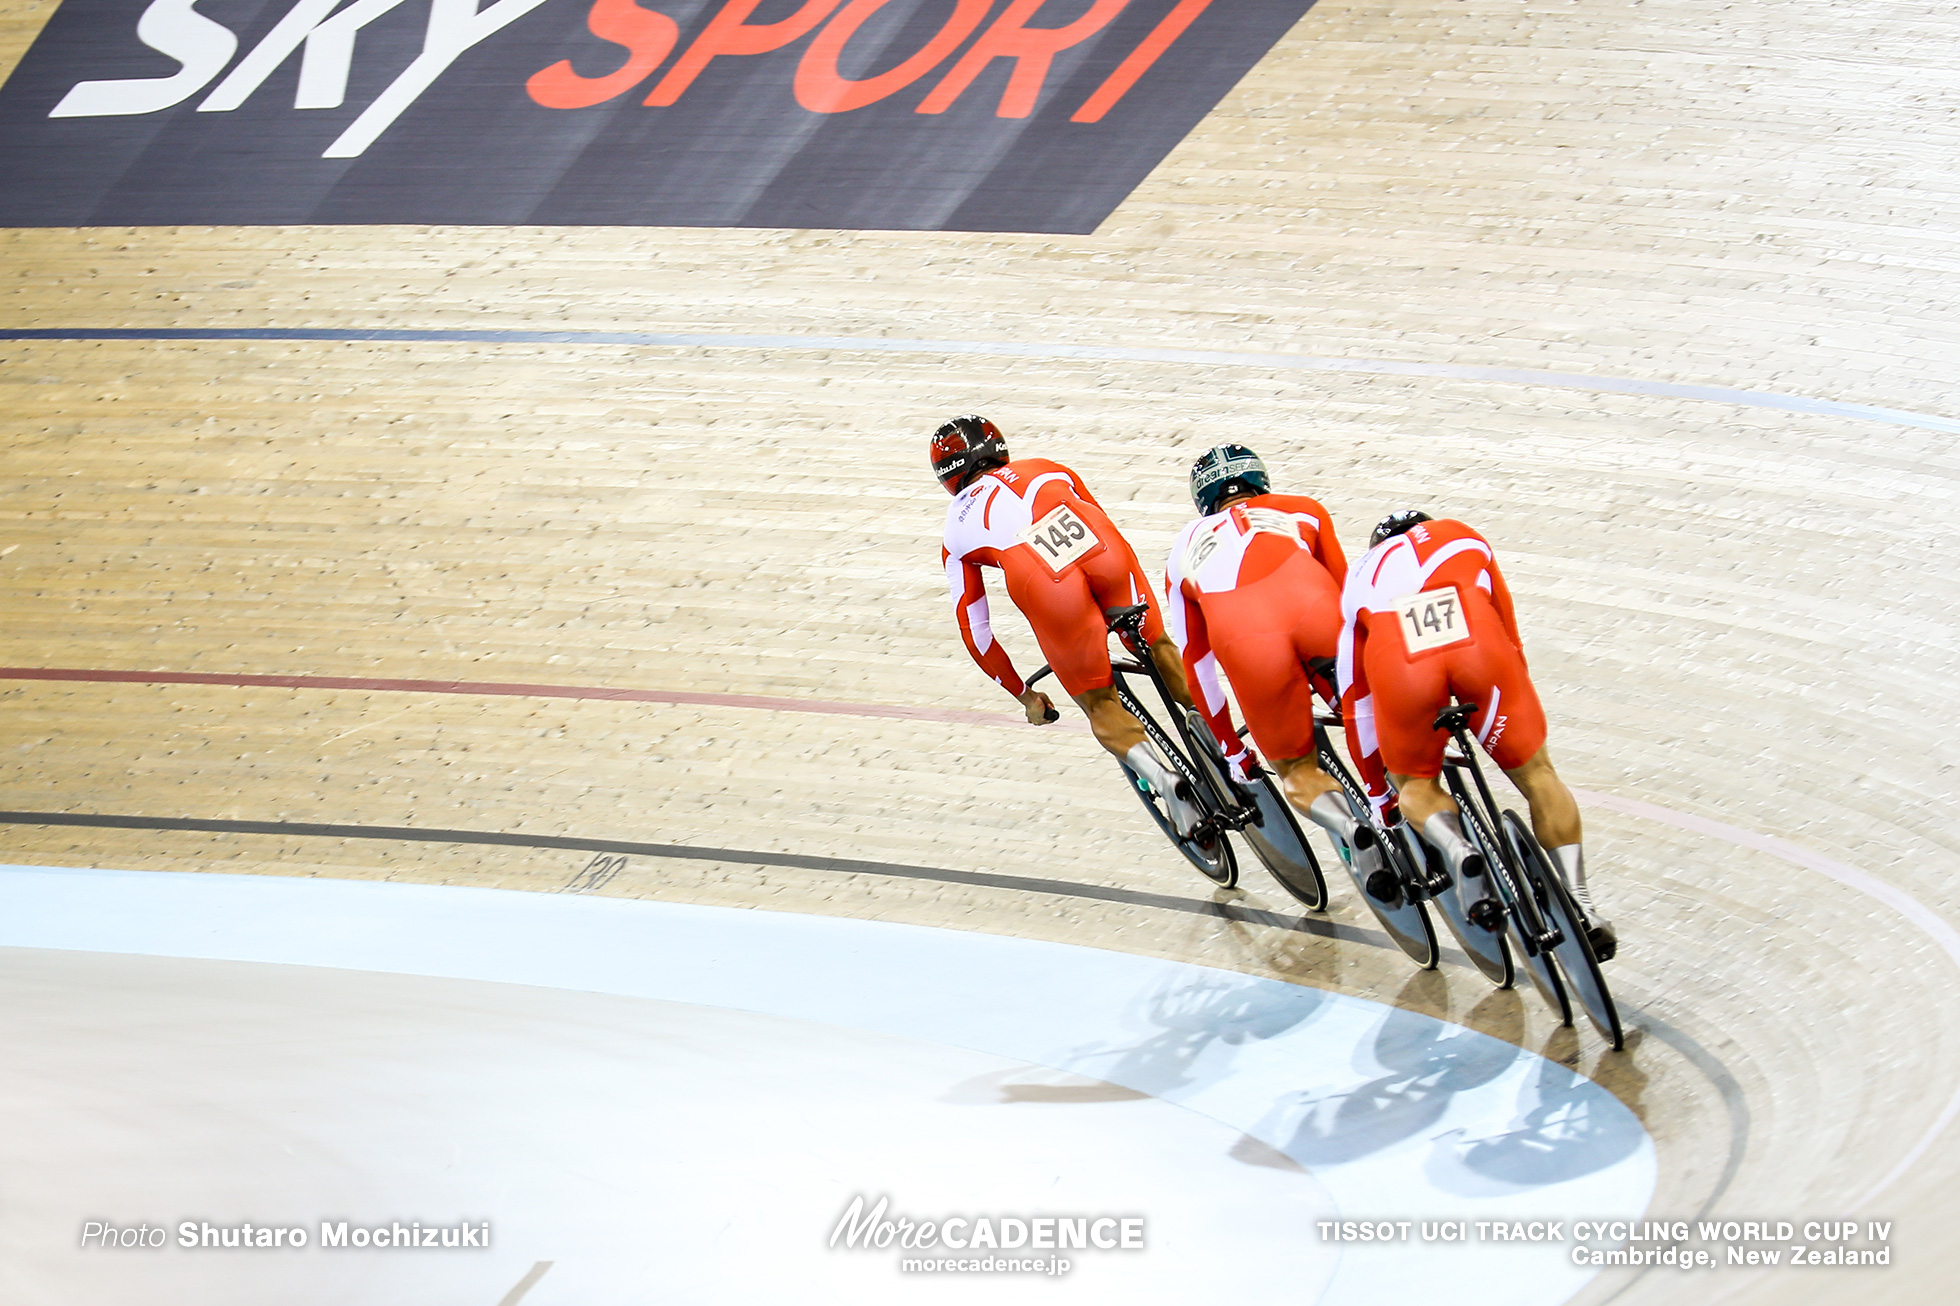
(965, 447)
(1397, 523)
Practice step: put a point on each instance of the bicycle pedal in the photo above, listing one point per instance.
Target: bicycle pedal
(1485, 914)
(1605, 943)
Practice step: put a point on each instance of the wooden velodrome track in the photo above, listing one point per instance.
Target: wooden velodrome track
(1737, 607)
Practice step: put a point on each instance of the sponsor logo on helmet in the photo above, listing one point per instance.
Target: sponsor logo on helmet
(1225, 463)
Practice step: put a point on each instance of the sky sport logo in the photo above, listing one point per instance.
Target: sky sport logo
(1036, 115)
(324, 37)
(983, 1244)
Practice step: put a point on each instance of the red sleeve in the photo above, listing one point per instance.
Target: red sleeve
(976, 625)
(1500, 594)
(1327, 546)
(1080, 487)
(1358, 714)
(1201, 669)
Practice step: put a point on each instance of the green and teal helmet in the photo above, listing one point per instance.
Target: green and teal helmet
(1227, 470)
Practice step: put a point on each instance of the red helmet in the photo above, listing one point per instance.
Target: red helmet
(965, 447)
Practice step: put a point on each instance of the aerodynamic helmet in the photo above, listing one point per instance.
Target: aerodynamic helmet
(1225, 471)
(1396, 523)
(965, 447)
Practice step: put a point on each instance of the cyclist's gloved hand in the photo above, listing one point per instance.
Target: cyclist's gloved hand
(1388, 810)
(1241, 762)
(1040, 709)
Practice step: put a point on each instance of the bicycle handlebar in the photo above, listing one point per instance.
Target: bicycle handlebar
(1051, 715)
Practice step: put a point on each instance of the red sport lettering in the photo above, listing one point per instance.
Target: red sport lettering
(1161, 38)
(820, 88)
(730, 33)
(1033, 50)
(649, 38)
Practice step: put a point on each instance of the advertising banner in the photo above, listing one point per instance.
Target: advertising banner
(959, 115)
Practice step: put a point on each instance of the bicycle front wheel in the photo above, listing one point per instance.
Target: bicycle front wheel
(1214, 857)
(1404, 918)
(1574, 953)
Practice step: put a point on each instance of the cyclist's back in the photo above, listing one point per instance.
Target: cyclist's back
(1066, 566)
(1461, 639)
(1063, 576)
(1257, 589)
(1428, 618)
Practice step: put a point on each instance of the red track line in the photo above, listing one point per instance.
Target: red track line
(954, 716)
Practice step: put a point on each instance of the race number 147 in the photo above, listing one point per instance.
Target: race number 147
(1431, 619)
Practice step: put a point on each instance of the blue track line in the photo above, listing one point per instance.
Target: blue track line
(1011, 349)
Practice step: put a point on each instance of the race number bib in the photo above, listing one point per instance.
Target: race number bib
(1272, 522)
(1431, 619)
(1060, 539)
(1203, 544)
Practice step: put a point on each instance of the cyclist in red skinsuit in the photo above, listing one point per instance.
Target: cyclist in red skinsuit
(1255, 590)
(1428, 618)
(1065, 565)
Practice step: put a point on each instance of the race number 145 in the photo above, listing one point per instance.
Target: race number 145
(1060, 539)
(1431, 619)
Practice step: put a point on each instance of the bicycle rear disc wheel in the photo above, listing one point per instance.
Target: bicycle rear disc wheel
(1214, 859)
(1574, 954)
(1485, 948)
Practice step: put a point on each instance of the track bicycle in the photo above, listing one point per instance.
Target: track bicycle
(1417, 866)
(1539, 914)
(1255, 810)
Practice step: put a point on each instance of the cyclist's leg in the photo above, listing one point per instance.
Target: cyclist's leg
(1314, 625)
(1117, 580)
(1069, 627)
(1170, 664)
(1511, 727)
(1408, 693)
(1555, 823)
(1264, 635)
(1111, 722)
(1554, 811)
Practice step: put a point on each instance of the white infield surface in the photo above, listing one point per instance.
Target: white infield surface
(651, 1101)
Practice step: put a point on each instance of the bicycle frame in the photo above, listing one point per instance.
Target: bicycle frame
(1415, 883)
(1225, 809)
(1225, 805)
(1540, 935)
